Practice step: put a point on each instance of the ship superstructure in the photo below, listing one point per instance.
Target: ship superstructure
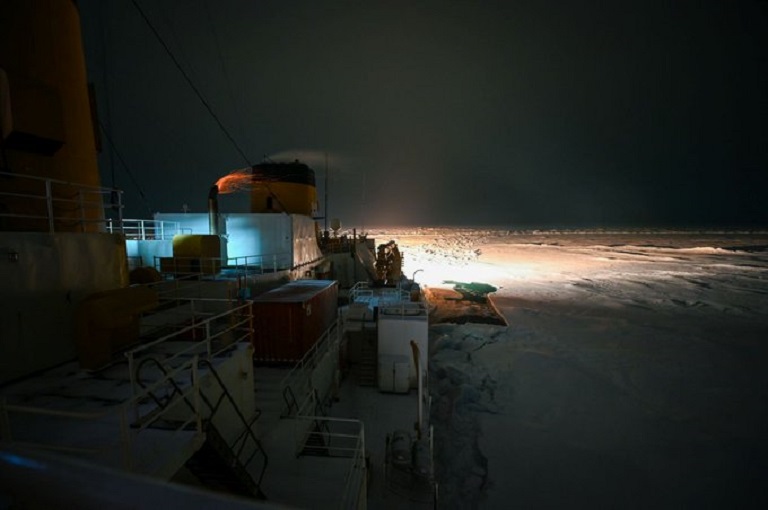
(227, 351)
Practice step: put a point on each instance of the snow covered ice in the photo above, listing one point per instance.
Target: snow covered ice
(632, 373)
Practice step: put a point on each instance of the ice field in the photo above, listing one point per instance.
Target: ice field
(632, 374)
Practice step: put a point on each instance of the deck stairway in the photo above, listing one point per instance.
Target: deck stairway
(217, 467)
(220, 465)
(317, 439)
(316, 442)
(305, 443)
(269, 395)
(368, 369)
(360, 327)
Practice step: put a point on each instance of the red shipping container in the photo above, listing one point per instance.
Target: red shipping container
(289, 320)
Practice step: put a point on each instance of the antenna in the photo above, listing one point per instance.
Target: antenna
(326, 193)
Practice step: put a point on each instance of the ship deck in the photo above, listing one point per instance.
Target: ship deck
(98, 416)
(310, 481)
(317, 452)
(140, 413)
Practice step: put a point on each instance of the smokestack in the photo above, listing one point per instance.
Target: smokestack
(213, 210)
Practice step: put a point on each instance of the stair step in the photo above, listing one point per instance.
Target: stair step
(315, 444)
(218, 468)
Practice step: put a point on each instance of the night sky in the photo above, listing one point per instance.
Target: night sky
(510, 114)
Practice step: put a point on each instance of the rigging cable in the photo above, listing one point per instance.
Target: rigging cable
(202, 99)
(127, 168)
(237, 111)
(105, 80)
(191, 84)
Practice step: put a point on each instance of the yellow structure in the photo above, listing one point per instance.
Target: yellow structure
(196, 245)
(45, 115)
(194, 254)
(107, 322)
(283, 187)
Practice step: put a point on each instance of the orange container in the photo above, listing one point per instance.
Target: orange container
(290, 319)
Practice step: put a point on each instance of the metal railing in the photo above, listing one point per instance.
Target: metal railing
(405, 309)
(268, 262)
(214, 335)
(144, 230)
(117, 437)
(44, 204)
(184, 288)
(297, 386)
(209, 266)
(246, 446)
(337, 437)
(208, 332)
(355, 492)
(362, 293)
(116, 430)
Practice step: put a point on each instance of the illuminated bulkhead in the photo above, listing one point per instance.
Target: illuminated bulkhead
(283, 187)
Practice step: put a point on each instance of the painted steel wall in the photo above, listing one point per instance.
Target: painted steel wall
(44, 277)
(148, 249)
(46, 101)
(258, 234)
(305, 248)
(395, 333)
(290, 236)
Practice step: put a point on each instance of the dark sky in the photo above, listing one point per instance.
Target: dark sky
(611, 113)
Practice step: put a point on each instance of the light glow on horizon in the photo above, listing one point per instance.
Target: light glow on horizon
(436, 273)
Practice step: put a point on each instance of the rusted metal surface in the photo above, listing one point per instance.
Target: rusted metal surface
(289, 320)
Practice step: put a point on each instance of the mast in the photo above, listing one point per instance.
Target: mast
(325, 200)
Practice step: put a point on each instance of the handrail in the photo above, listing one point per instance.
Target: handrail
(256, 416)
(143, 230)
(349, 445)
(121, 412)
(178, 288)
(289, 403)
(344, 444)
(409, 309)
(195, 326)
(204, 324)
(245, 264)
(151, 394)
(359, 289)
(325, 423)
(248, 431)
(213, 409)
(146, 406)
(360, 292)
(321, 426)
(73, 196)
(357, 475)
(301, 370)
(215, 267)
(132, 414)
